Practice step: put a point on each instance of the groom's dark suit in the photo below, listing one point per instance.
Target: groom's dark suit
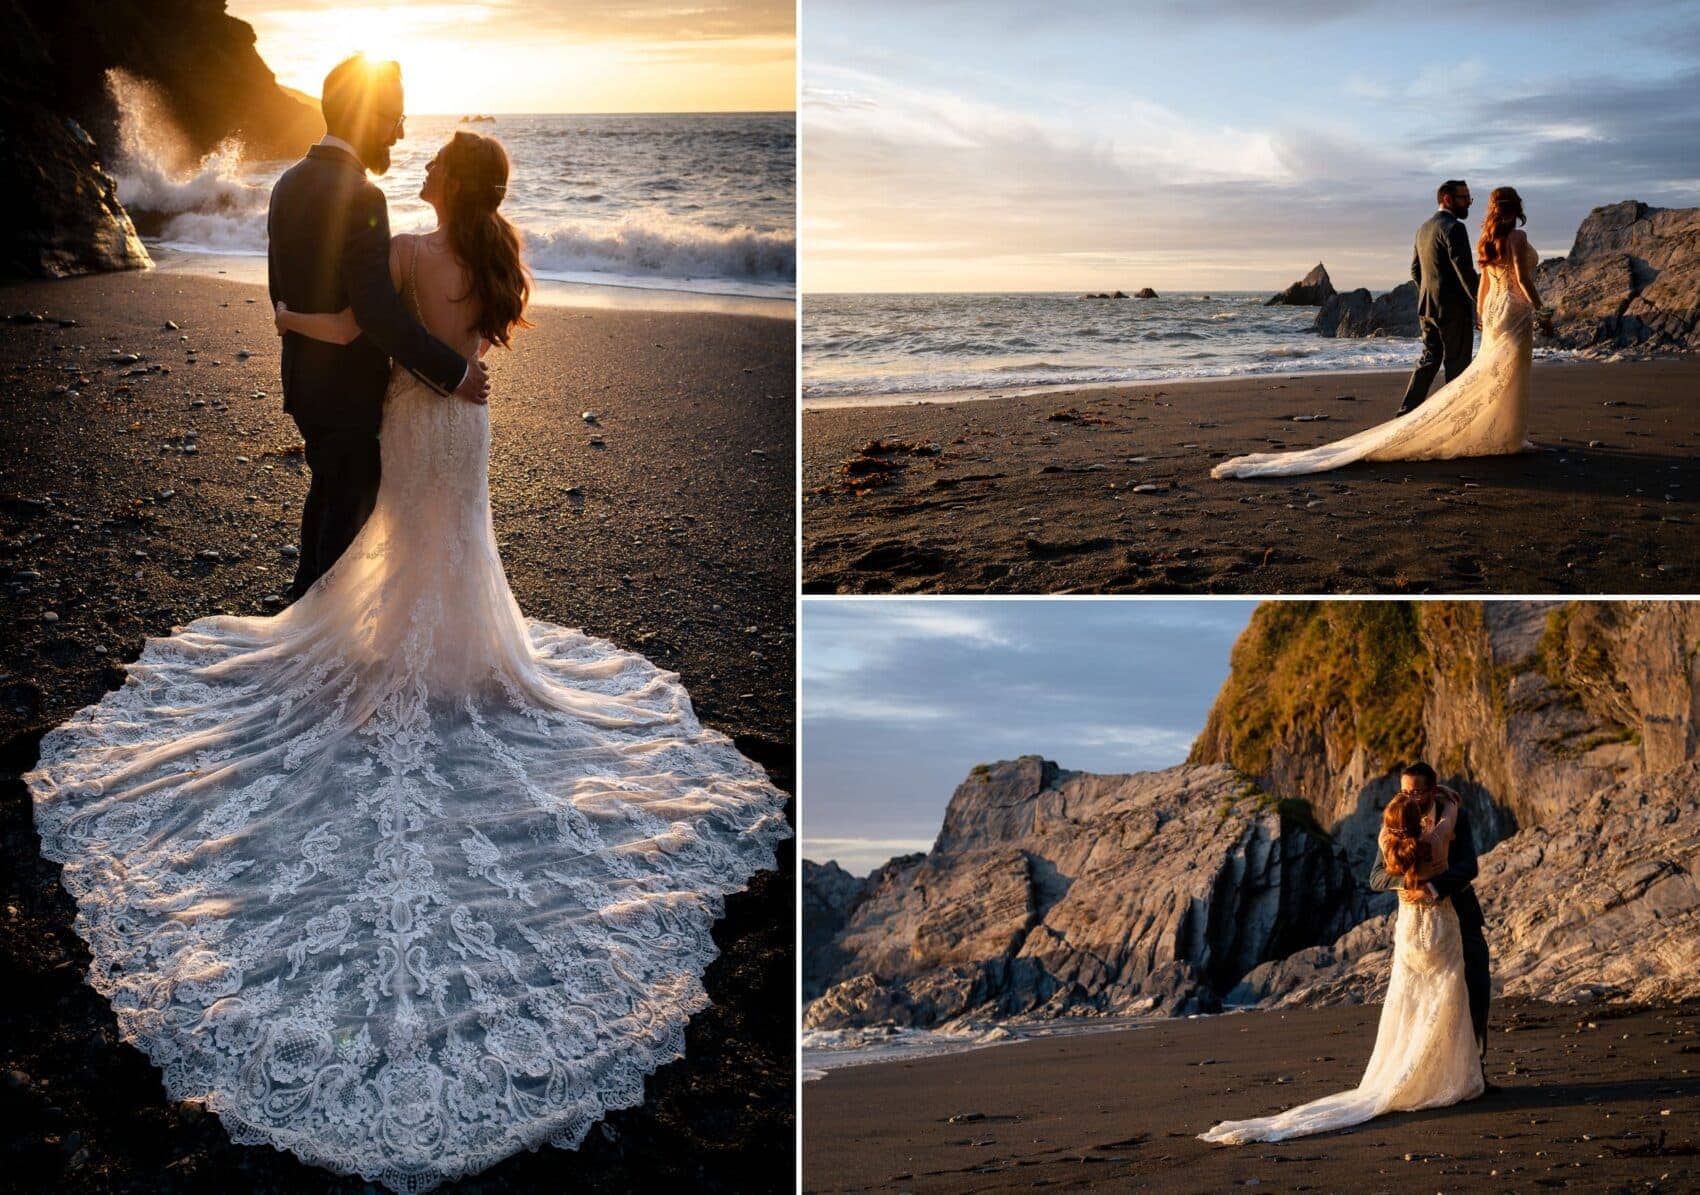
(329, 233)
(1454, 884)
(1445, 273)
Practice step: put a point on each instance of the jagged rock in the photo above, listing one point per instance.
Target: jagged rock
(1572, 729)
(1052, 892)
(1313, 290)
(1601, 904)
(54, 62)
(1144, 292)
(1357, 313)
(1632, 279)
(829, 895)
(64, 217)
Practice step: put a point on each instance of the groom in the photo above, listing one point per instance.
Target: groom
(329, 233)
(1444, 270)
(1453, 884)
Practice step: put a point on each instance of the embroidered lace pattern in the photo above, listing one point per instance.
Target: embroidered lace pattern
(399, 880)
(1425, 1049)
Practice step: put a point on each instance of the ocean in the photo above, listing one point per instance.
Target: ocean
(881, 349)
(701, 203)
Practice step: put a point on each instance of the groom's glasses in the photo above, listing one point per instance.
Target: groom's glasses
(400, 119)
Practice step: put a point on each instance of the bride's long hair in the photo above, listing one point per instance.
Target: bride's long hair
(1406, 853)
(476, 172)
(1505, 212)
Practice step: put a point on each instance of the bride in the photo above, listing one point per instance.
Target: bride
(1484, 411)
(400, 880)
(1425, 1048)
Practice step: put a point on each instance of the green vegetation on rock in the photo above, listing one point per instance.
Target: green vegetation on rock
(1301, 668)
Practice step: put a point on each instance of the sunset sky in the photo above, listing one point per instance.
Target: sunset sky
(546, 55)
(1065, 145)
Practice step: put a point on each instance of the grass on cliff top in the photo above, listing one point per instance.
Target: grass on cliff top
(1354, 667)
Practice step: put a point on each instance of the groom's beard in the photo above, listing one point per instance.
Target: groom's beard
(376, 158)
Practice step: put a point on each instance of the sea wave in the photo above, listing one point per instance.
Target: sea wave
(647, 244)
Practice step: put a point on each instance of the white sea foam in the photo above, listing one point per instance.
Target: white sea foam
(685, 202)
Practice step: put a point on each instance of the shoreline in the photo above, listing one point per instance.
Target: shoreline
(619, 293)
(861, 402)
(1109, 491)
(1594, 1098)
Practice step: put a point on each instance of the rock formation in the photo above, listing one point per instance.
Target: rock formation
(1572, 729)
(61, 120)
(1313, 290)
(1061, 893)
(1357, 313)
(1145, 292)
(1631, 280)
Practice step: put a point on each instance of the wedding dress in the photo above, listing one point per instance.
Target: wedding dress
(399, 880)
(1425, 1048)
(1484, 411)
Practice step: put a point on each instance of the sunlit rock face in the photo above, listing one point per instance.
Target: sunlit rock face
(1571, 729)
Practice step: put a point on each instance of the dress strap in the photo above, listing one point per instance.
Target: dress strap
(413, 281)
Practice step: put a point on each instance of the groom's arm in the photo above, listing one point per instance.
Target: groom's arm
(1461, 866)
(377, 307)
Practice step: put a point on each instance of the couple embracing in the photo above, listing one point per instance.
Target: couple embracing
(1431, 1043)
(1483, 410)
(399, 880)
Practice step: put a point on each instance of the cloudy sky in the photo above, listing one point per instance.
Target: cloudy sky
(546, 55)
(902, 696)
(1220, 144)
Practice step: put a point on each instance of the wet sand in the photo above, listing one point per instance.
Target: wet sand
(1109, 490)
(1592, 1099)
(674, 538)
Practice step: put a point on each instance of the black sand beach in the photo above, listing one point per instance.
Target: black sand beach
(1109, 490)
(1592, 1099)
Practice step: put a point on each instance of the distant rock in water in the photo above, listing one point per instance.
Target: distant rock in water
(1144, 292)
(1356, 313)
(1313, 290)
(1571, 729)
(1631, 280)
(54, 63)
(1106, 295)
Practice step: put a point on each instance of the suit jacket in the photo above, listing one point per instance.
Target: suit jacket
(1452, 884)
(329, 248)
(1444, 270)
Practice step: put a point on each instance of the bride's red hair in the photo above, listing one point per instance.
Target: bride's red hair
(1406, 852)
(481, 237)
(1505, 212)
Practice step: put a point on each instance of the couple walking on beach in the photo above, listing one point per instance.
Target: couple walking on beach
(1483, 409)
(399, 880)
(1432, 1039)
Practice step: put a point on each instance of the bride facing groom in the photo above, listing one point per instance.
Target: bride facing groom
(1431, 1043)
(399, 880)
(1483, 409)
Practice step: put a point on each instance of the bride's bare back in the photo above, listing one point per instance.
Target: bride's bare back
(438, 286)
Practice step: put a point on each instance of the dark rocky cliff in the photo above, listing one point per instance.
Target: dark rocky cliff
(60, 118)
(1573, 730)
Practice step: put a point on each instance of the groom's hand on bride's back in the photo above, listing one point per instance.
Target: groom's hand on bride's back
(475, 386)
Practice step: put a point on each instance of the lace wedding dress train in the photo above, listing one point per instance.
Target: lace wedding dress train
(1425, 1048)
(1484, 411)
(399, 880)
